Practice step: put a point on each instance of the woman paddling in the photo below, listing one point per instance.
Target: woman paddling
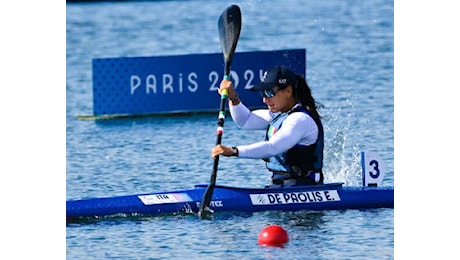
(294, 141)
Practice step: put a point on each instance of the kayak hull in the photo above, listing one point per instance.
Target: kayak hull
(333, 196)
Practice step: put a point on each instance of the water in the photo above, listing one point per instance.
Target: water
(349, 68)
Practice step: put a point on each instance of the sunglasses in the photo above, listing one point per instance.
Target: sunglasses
(269, 93)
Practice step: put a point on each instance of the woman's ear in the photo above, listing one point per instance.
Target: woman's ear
(290, 90)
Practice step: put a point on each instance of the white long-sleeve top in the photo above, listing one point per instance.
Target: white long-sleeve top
(298, 128)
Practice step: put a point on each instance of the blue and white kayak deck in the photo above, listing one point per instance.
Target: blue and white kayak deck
(331, 196)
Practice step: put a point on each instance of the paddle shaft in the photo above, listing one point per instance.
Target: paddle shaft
(220, 125)
(220, 129)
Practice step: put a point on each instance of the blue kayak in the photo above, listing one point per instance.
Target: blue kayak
(332, 196)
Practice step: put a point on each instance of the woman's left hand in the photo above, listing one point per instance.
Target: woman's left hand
(221, 150)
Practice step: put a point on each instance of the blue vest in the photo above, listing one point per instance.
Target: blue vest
(300, 160)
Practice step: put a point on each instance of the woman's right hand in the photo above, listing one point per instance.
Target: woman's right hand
(232, 95)
(227, 84)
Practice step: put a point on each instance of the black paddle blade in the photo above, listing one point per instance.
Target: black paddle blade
(205, 212)
(229, 31)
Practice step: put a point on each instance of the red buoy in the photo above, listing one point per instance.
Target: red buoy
(273, 235)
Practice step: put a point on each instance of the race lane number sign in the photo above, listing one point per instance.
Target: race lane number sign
(181, 84)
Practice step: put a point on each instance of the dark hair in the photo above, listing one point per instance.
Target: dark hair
(303, 94)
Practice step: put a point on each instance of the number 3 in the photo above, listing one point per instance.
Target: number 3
(375, 165)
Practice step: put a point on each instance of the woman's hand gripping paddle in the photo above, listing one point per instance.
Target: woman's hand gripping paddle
(229, 25)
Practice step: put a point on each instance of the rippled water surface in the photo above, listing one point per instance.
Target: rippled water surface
(349, 68)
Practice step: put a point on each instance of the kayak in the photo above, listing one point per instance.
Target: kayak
(329, 196)
(332, 196)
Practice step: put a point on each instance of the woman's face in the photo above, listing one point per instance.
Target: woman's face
(278, 99)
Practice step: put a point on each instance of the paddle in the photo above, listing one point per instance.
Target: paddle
(229, 26)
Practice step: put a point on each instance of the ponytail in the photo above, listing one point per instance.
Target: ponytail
(304, 96)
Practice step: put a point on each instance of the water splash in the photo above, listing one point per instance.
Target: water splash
(342, 161)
